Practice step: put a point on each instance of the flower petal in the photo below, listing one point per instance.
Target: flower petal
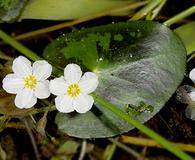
(192, 95)
(31, 103)
(42, 90)
(12, 84)
(25, 98)
(83, 103)
(64, 104)
(42, 69)
(88, 82)
(192, 75)
(22, 66)
(58, 86)
(72, 73)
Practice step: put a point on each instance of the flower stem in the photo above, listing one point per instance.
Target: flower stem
(83, 150)
(150, 133)
(126, 148)
(18, 46)
(180, 16)
(145, 10)
(25, 121)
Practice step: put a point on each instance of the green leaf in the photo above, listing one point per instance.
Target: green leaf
(10, 9)
(70, 9)
(186, 33)
(139, 65)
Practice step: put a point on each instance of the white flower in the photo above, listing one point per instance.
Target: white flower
(192, 77)
(72, 90)
(28, 82)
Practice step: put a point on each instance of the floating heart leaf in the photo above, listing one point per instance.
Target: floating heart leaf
(139, 64)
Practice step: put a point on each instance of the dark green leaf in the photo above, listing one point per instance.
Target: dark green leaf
(139, 65)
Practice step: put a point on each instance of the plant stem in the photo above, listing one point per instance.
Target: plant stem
(25, 121)
(5, 57)
(180, 16)
(109, 151)
(151, 143)
(191, 57)
(83, 150)
(21, 48)
(145, 10)
(155, 12)
(150, 133)
(125, 148)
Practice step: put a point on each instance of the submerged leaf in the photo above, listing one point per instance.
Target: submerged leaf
(136, 62)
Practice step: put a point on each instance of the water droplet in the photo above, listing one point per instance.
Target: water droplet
(101, 59)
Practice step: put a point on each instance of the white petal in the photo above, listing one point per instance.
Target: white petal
(25, 98)
(192, 95)
(192, 75)
(88, 82)
(64, 104)
(42, 69)
(72, 73)
(42, 90)
(12, 84)
(31, 103)
(22, 66)
(83, 103)
(58, 86)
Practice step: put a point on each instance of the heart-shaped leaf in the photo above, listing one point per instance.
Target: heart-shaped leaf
(139, 65)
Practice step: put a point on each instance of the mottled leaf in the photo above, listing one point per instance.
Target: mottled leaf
(139, 65)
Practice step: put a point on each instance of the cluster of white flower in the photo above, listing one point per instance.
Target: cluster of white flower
(29, 82)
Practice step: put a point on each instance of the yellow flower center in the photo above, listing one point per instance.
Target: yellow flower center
(30, 82)
(73, 90)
